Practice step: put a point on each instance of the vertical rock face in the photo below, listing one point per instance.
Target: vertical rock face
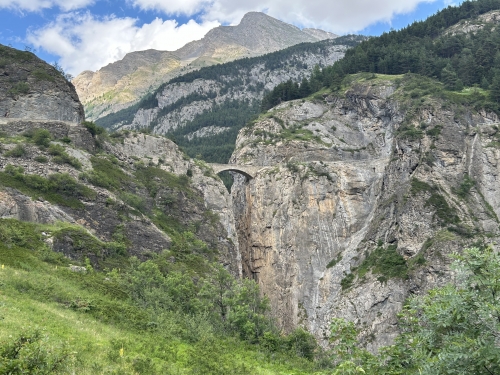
(30, 88)
(352, 185)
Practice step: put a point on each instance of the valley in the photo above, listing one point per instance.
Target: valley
(358, 233)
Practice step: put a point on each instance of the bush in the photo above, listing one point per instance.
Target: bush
(30, 353)
(17, 152)
(19, 88)
(93, 128)
(40, 137)
(62, 157)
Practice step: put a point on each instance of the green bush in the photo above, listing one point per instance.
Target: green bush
(31, 353)
(20, 88)
(93, 128)
(40, 137)
(62, 157)
(17, 152)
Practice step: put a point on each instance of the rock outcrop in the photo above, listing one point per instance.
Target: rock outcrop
(30, 88)
(363, 197)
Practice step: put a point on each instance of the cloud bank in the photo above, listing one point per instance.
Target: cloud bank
(37, 5)
(86, 42)
(338, 16)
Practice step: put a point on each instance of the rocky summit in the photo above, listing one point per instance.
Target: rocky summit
(123, 82)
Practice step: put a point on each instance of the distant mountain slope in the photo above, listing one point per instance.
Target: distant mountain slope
(123, 82)
(225, 96)
(460, 46)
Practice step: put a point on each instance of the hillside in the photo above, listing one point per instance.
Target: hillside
(204, 110)
(361, 234)
(459, 46)
(29, 87)
(124, 82)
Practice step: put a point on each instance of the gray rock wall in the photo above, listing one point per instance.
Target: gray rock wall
(338, 184)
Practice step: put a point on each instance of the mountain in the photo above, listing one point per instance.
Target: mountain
(223, 97)
(123, 82)
(360, 235)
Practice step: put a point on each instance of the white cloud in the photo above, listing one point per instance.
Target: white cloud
(36, 5)
(339, 16)
(186, 7)
(85, 42)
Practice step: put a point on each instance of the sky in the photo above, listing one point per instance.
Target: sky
(88, 34)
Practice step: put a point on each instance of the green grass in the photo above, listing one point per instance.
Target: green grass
(58, 188)
(91, 321)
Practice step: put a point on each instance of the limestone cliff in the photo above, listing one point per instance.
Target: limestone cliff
(362, 196)
(30, 88)
(122, 83)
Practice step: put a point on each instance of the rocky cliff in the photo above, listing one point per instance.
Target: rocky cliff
(248, 85)
(30, 88)
(122, 83)
(362, 196)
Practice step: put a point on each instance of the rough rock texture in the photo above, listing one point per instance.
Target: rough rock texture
(352, 172)
(123, 82)
(207, 207)
(476, 24)
(249, 85)
(30, 88)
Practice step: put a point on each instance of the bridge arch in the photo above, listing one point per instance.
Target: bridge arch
(249, 171)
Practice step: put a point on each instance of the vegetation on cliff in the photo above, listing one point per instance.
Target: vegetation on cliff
(457, 60)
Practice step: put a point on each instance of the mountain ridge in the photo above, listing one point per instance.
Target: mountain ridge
(124, 81)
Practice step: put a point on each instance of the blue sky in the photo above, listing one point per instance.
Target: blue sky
(88, 34)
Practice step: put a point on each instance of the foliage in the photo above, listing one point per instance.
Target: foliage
(31, 353)
(59, 188)
(20, 88)
(153, 316)
(453, 329)
(456, 60)
(40, 137)
(17, 152)
(93, 128)
(62, 157)
(106, 173)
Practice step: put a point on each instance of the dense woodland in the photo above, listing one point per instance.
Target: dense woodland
(423, 48)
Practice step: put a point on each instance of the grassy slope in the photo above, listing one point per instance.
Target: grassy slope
(93, 319)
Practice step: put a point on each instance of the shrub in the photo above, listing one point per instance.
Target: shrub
(41, 159)
(61, 156)
(19, 88)
(40, 137)
(93, 128)
(17, 152)
(29, 354)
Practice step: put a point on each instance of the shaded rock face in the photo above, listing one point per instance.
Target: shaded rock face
(344, 176)
(30, 88)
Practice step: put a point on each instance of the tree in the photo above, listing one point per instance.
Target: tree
(453, 329)
(495, 88)
(449, 77)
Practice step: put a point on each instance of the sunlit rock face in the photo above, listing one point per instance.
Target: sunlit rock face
(341, 176)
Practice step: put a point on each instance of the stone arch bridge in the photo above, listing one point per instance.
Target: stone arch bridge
(249, 171)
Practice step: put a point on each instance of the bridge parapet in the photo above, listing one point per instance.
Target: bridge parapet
(248, 171)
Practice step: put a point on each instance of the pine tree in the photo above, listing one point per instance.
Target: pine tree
(495, 88)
